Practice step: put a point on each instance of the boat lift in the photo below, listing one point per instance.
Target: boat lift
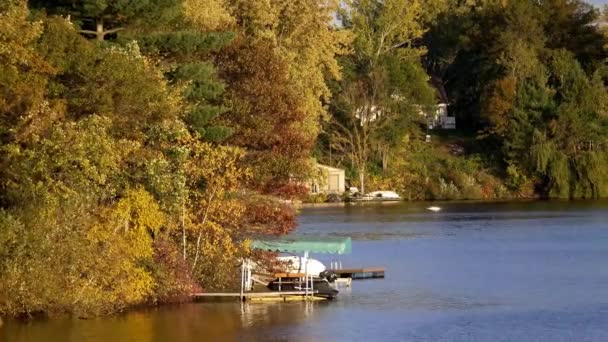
(304, 244)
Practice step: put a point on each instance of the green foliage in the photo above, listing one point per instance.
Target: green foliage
(386, 87)
(527, 73)
(101, 18)
(569, 128)
(316, 198)
(423, 171)
(185, 53)
(202, 88)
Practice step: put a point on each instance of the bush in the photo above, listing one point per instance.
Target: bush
(317, 198)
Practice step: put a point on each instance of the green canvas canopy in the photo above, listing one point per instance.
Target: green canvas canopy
(305, 243)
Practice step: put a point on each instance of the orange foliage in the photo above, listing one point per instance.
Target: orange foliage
(265, 111)
(289, 191)
(268, 217)
(499, 102)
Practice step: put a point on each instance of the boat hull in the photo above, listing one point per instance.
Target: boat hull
(321, 287)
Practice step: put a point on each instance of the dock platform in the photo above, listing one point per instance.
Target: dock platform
(360, 273)
(284, 296)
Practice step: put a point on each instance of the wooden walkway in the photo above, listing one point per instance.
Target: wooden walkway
(360, 273)
(259, 296)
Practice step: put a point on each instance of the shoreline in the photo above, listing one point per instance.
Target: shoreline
(495, 200)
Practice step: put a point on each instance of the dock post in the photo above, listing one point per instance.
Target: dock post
(242, 279)
(312, 287)
(306, 275)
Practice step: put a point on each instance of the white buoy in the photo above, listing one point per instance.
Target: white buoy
(435, 209)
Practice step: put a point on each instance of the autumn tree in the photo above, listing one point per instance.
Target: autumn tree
(72, 189)
(276, 74)
(23, 74)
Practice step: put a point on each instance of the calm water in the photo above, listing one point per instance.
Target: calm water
(534, 271)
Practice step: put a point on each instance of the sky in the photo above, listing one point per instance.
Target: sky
(598, 2)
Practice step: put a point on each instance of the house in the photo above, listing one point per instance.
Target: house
(330, 179)
(438, 116)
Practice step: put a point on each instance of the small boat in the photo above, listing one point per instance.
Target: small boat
(381, 196)
(293, 279)
(296, 264)
(435, 209)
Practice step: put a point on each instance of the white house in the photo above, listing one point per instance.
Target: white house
(331, 179)
(439, 117)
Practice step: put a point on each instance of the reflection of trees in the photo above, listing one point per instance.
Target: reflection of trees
(275, 314)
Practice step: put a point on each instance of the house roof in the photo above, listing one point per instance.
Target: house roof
(329, 167)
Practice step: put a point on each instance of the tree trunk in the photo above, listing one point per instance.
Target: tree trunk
(100, 34)
(184, 228)
(202, 226)
(362, 180)
(384, 160)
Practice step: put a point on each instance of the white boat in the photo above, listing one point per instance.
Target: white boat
(435, 209)
(381, 196)
(296, 264)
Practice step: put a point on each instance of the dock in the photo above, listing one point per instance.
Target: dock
(284, 296)
(360, 273)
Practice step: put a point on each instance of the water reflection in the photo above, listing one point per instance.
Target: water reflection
(261, 314)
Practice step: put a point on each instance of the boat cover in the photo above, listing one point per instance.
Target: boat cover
(305, 243)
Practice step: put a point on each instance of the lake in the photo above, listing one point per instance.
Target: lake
(475, 271)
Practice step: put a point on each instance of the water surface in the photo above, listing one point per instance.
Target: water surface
(525, 271)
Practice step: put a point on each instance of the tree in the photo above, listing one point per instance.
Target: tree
(101, 18)
(64, 248)
(276, 73)
(384, 27)
(477, 43)
(374, 114)
(23, 74)
(385, 88)
(115, 189)
(186, 52)
(265, 113)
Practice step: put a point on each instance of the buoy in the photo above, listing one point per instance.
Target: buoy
(434, 209)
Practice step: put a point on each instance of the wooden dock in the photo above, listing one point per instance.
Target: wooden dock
(259, 296)
(360, 273)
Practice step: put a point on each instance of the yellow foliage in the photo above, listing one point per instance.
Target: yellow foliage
(136, 216)
(217, 166)
(387, 26)
(214, 173)
(304, 35)
(17, 33)
(310, 42)
(219, 258)
(256, 18)
(208, 15)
